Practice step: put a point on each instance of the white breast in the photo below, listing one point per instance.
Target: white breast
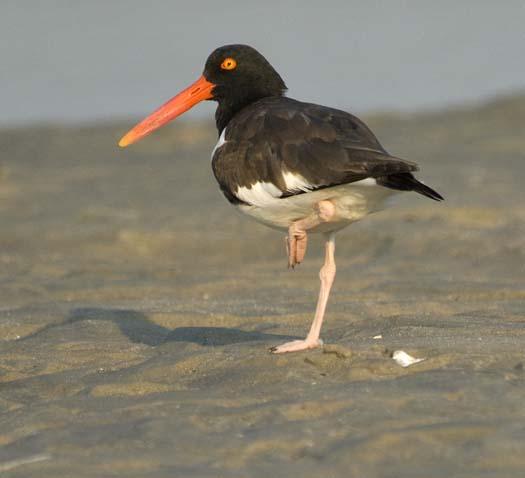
(220, 142)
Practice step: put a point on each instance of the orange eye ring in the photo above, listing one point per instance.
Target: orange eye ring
(229, 64)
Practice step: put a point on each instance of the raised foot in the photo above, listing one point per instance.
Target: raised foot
(296, 346)
(296, 246)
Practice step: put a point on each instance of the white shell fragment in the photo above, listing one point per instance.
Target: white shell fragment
(404, 359)
(377, 337)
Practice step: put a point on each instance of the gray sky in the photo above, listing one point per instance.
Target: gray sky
(87, 60)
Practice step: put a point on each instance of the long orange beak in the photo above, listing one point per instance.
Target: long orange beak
(186, 99)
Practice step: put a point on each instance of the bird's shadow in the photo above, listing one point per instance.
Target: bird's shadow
(140, 329)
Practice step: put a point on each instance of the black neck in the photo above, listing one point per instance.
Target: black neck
(229, 107)
(225, 112)
(233, 98)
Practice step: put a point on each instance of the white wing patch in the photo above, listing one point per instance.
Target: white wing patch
(295, 182)
(221, 142)
(365, 182)
(263, 194)
(259, 194)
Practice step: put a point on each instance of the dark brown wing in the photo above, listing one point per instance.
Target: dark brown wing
(275, 137)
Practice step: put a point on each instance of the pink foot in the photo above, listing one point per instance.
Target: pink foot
(296, 245)
(296, 346)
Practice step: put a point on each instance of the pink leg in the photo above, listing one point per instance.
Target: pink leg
(297, 239)
(327, 276)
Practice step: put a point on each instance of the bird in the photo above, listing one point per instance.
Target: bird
(296, 167)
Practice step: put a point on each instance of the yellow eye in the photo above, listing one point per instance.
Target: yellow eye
(229, 64)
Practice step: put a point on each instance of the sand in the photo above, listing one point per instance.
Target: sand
(137, 309)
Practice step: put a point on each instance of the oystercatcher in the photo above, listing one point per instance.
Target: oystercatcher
(293, 166)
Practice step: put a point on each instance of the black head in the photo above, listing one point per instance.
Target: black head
(240, 70)
(234, 76)
(241, 75)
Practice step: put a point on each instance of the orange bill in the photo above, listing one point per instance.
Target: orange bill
(186, 99)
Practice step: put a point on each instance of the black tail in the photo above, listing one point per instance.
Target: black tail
(407, 182)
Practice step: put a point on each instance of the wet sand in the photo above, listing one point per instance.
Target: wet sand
(137, 308)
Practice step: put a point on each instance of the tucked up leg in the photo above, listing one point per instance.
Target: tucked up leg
(327, 276)
(297, 233)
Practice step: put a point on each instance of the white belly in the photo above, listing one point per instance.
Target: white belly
(352, 203)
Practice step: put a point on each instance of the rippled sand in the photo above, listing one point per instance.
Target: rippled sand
(137, 309)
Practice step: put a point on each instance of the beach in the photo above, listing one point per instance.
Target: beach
(137, 309)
